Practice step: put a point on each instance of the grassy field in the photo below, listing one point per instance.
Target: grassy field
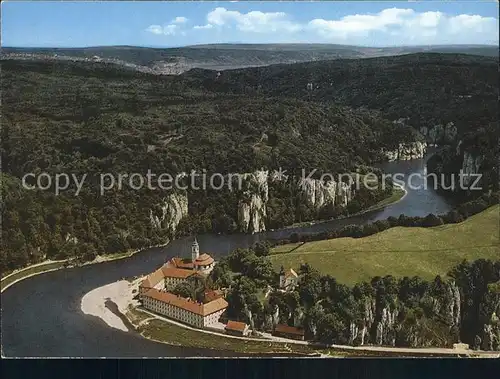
(398, 251)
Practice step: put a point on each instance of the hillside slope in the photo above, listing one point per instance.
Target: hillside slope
(399, 251)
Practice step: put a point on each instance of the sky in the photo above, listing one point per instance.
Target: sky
(168, 24)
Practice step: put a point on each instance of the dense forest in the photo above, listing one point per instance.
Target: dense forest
(451, 99)
(389, 311)
(84, 119)
(426, 89)
(80, 118)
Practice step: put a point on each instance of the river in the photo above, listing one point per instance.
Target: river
(41, 316)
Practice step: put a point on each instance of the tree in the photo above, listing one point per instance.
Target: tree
(221, 275)
(261, 248)
(331, 330)
(294, 238)
(432, 220)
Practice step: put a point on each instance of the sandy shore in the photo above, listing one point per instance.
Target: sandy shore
(120, 292)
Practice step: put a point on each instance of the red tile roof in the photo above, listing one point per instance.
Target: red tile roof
(186, 304)
(172, 272)
(152, 279)
(204, 260)
(236, 326)
(181, 263)
(213, 294)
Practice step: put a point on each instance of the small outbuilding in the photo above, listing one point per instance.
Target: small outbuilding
(285, 331)
(237, 328)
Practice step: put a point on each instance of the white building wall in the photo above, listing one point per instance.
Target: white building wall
(212, 318)
(175, 313)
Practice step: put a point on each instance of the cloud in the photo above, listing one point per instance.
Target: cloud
(179, 20)
(168, 30)
(360, 24)
(155, 29)
(207, 26)
(171, 29)
(435, 27)
(254, 21)
(391, 26)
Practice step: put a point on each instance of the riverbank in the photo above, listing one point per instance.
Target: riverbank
(121, 293)
(159, 329)
(397, 195)
(48, 266)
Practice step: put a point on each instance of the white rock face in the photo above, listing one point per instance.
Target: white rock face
(386, 326)
(173, 209)
(318, 194)
(407, 151)
(71, 239)
(470, 166)
(252, 208)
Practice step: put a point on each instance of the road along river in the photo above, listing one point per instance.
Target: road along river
(42, 317)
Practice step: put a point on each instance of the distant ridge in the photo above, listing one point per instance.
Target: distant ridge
(175, 60)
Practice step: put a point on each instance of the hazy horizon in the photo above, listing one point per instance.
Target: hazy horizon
(249, 44)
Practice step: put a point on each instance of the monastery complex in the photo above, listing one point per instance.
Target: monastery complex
(154, 291)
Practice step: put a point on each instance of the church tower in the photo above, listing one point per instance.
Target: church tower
(195, 250)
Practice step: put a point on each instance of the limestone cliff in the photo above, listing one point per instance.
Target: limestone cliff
(318, 194)
(381, 324)
(173, 208)
(252, 206)
(440, 134)
(455, 160)
(471, 165)
(407, 151)
(490, 339)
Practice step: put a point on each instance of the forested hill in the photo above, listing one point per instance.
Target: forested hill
(223, 56)
(427, 88)
(94, 118)
(451, 99)
(80, 118)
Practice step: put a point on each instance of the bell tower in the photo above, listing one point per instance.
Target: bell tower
(195, 250)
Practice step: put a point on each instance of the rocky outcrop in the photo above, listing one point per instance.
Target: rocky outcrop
(453, 303)
(381, 324)
(359, 332)
(457, 167)
(252, 206)
(171, 211)
(71, 239)
(440, 134)
(318, 194)
(491, 337)
(254, 196)
(386, 327)
(470, 167)
(298, 317)
(407, 151)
